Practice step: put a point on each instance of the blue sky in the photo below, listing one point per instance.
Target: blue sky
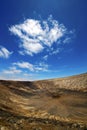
(41, 39)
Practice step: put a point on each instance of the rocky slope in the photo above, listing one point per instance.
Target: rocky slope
(56, 104)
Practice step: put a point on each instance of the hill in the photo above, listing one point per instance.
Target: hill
(54, 104)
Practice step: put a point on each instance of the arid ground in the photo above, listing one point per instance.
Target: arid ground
(55, 104)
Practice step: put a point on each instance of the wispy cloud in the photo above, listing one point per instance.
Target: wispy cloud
(69, 37)
(53, 51)
(4, 53)
(14, 73)
(67, 40)
(33, 68)
(22, 77)
(12, 70)
(42, 67)
(25, 65)
(45, 57)
(37, 35)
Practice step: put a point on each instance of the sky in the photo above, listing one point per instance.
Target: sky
(42, 39)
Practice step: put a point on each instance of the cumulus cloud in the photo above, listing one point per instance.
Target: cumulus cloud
(37, 35)
(34, 68)
(4, 53)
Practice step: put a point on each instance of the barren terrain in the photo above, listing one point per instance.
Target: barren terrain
(55, 104)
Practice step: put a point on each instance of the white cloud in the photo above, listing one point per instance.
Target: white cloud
(45, 57)
(67, 40)
(25, 65)
(4, 53)
(34, 68)
(13, 73)
(23, 77)
(41, 67)
(54, 52)
(30, 48)
(36, 35)
(70, 35)
(12, 70)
